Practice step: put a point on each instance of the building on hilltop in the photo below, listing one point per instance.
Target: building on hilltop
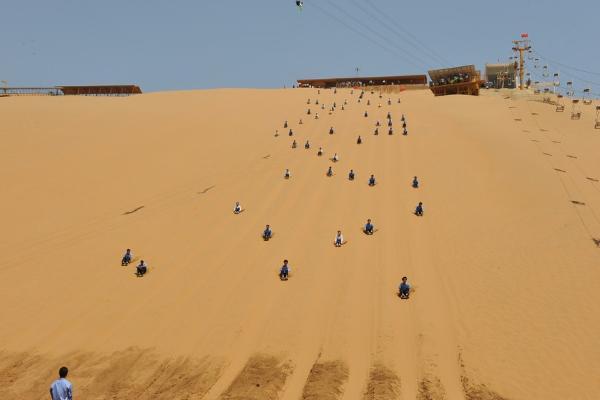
(361, 81)
(456, 80)
(501, 76)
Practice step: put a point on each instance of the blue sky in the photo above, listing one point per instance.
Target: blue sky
(185, 44)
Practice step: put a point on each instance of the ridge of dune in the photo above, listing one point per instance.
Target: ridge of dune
(504, 263)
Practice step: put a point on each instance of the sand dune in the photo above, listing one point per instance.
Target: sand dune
(504, 263)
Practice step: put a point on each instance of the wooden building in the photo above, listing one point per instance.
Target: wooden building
(358, 81)
(457, 80)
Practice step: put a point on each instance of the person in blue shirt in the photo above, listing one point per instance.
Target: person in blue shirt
(284, 271)
(267, 233)
(404, 289)
(372, 180)
(126, 258)
(415, 183)
(369, 228)
(419, 210)
(141, 269)
(61, 389)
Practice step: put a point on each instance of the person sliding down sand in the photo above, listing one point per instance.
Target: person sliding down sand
(339, 239)
(127, 257)
(285, 124)
(372, 180)
(307, 145)
(351, 175)
(377, 123)
(366, 114)
(415, 183)
(267, 233)
(419, 210)
(389, 115)
(320, 152)
(376, 132)
(237, 209)
(300, 122)
(405, 132)
(291, 133)
(308, 112)
(294, 144)
(390, 131)
(335, 158)
(404, 289)
(331, 131)
(329, 172)
(141, 269)
(284, 271)
(389, 102)
(286, 175)
(359, 140)
(316, 115)
(369, 228)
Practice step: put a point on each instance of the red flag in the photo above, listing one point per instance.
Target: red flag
(524, 35)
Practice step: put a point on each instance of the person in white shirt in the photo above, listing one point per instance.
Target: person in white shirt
(61, 389)
(339, 239)
(237, 209)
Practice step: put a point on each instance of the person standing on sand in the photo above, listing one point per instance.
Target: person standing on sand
(61, 389)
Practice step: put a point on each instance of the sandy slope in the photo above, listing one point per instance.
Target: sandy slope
(503, 263)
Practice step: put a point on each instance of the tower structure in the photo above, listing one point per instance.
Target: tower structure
(521, 45)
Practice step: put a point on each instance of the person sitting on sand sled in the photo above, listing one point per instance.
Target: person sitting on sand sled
(351, 175)
(331, 131)
(419, 210)
(286, 175)
(339, 239)
(127, 257)
(415, 183)
(141, 269)
(307, 145)
(294, 144)
(267, 233)
(237, 209)
(404, 289)
(335, 158)
(372, 180)
(359, 140)
(284, 271)
(329, 172)
(320, 152)
(369, 228)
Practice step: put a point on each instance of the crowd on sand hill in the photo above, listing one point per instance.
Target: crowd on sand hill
(61, 389)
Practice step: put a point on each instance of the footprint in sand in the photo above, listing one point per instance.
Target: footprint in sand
(547, 154)
(518, 119)
(570, 156)
(535, 140)
(267, 156)
(556, 141)
(132, 211)
(560, 170)
(591, 179)
(207, 189)
(579, 203)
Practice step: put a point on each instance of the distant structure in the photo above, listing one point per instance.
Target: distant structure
(521, 46)
(502, 76)
(457, 80)
(357, 81)
(96, 90)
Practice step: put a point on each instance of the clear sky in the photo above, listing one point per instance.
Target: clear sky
(188, 44)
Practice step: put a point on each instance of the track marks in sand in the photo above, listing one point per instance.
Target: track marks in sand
(325, 381)
(129, 374)
(262, 378)
(383, 384)
(476, 391)
(132, 211)
(430, 388)
(207, 189)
